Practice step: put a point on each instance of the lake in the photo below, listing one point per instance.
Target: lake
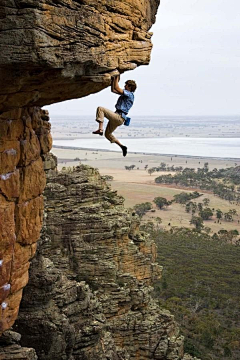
(187, 146)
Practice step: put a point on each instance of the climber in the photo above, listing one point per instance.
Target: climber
(123, 105)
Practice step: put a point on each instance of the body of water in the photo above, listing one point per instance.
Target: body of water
(204, 147)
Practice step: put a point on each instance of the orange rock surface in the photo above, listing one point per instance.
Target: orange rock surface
(24, 137)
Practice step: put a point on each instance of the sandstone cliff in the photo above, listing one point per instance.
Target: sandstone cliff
(50, 51)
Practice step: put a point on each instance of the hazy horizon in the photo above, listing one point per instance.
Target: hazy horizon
(141, 115)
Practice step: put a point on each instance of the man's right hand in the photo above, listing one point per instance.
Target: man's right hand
(114, 73)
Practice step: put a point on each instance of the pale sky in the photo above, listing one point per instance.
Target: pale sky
(194, 68)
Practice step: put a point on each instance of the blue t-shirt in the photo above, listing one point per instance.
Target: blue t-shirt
(125, 102)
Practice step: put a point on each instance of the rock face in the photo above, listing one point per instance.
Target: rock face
(24, 138)
(89, 294)
(52, 51)
(11, 350)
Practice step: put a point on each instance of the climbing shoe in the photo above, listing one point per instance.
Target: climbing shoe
(124, 150)
(98, 132)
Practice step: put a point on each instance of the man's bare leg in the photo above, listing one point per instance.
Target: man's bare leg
(124, 148)
(99, 131)
(110, 115)
(100, 128)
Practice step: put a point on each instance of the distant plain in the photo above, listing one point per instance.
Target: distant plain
(136, 185)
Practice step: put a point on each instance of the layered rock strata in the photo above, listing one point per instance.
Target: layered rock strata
(52, 51)
(89, 294)
(24, 139)
(11, 350)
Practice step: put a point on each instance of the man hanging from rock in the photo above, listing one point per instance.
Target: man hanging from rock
(123, 105)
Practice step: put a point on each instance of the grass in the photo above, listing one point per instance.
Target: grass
(136, 193)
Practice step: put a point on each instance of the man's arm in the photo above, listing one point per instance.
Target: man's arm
(115, 87)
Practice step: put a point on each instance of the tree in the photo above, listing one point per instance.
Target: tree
(206, 168)
(196, 194)
(234, 232)
(233, 212)
(198, 222)
(131, 167)
(193, 207)
(200, 206)
(206, 213)
(163, 166)
(182, 198)
(188, 207)
(219, 214)
(161, 202)
(142, 208)
(228, 216)
(206, 201)
(158, 221)
(151, 170)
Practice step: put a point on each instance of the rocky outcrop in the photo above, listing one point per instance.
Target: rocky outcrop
(24, 139)
(11, 350)
(89, 294)
(52, 51)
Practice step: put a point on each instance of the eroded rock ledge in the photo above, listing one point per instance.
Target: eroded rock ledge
(89, 294)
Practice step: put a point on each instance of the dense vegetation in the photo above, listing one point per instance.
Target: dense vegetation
(200, 286)
(222, 182)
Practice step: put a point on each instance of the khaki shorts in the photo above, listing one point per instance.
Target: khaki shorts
(114, 120)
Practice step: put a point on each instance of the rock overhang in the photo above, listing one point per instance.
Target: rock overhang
(53, 51)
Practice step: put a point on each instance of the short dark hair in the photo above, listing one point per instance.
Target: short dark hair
(132, 85)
